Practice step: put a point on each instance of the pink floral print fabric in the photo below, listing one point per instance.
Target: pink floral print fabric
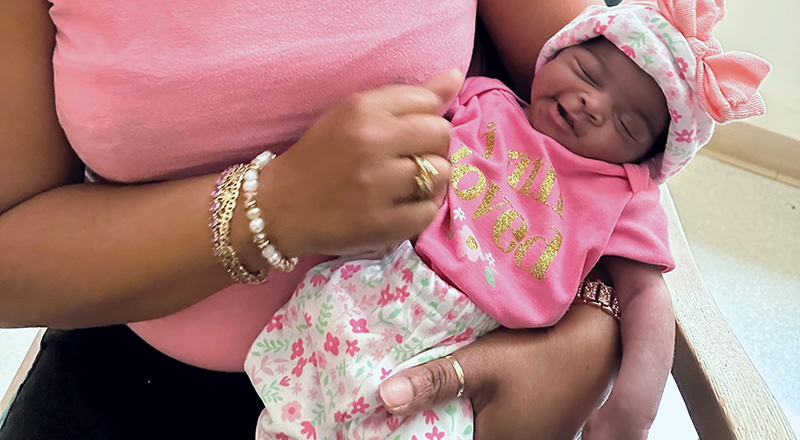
(350, 325)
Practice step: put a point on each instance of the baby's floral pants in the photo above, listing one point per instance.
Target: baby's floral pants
(350, 325)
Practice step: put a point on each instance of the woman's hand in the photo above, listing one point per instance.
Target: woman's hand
(535, 383)
(349, 181)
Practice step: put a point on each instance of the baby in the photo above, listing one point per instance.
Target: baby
(622, 99)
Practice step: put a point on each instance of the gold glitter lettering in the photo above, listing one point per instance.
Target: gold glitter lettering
(526, 187)
(551, 249)
(547, 185)
(522, 161)
(544, 189)
(488, 198)
(490, 136)
(460, 154)
(472, 243)
(462, 170)
(503, 223)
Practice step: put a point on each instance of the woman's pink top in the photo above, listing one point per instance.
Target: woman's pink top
(150, 90)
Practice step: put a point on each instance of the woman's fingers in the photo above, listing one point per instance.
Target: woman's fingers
(350, 181)
(567, 366)
(422, 134)
(431, 97)
(408, 219)
(407, 189)
(523, 383)
(509, 374)
(421, 387)
(446, 85)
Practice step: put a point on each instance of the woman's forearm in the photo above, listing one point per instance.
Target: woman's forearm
(549, 380)
(525, 383)
(75, 255)
(519, 29)
(91, 254)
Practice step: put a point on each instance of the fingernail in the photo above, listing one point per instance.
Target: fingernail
(397, 392)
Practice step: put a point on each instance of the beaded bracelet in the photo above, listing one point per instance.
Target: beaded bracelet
(257, 224)
(222, 205)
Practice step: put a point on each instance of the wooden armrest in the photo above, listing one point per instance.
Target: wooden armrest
(21, 373)
(725, 395)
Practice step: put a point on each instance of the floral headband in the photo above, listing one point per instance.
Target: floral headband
(671, 40)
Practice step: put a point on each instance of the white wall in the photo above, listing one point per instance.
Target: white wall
(770, 29)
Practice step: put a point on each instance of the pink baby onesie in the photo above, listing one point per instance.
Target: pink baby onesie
(524, 221)
(527, 219)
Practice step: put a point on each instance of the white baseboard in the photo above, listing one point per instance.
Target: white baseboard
(758, 150)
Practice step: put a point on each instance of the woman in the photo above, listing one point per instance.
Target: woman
(159, 98)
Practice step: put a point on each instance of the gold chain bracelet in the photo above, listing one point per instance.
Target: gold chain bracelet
(597, 294)
(222, 205)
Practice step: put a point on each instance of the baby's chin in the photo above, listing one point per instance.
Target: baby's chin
(536, 121)
(539, 122)
(544, 129)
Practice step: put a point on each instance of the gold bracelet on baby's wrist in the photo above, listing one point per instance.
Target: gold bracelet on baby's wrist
(598, 294)
(223, 204)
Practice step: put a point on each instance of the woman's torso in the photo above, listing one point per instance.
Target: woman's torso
(150, 90)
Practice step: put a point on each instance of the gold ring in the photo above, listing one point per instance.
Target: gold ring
(459, 374)
(426, 175)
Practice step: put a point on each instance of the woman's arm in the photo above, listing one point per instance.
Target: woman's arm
(535, 383)
(519, 29)
(77, 255)
(560, 375)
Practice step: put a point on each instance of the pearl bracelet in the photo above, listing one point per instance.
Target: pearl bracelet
(256, 223)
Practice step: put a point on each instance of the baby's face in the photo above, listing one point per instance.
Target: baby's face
(598, 103)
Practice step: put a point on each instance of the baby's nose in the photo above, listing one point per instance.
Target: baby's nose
(595, 107)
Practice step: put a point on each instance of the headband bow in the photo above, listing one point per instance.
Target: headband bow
(727, 82)
(672, 41)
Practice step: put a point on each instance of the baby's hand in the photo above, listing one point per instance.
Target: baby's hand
(605, 424)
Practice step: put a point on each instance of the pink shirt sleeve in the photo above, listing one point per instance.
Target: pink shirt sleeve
(640, 233)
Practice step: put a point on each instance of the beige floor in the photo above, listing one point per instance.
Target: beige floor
(744, 231)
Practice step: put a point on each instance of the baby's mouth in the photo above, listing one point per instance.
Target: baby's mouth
(565, 115)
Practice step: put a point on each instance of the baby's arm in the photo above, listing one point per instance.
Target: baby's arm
(648, 339)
